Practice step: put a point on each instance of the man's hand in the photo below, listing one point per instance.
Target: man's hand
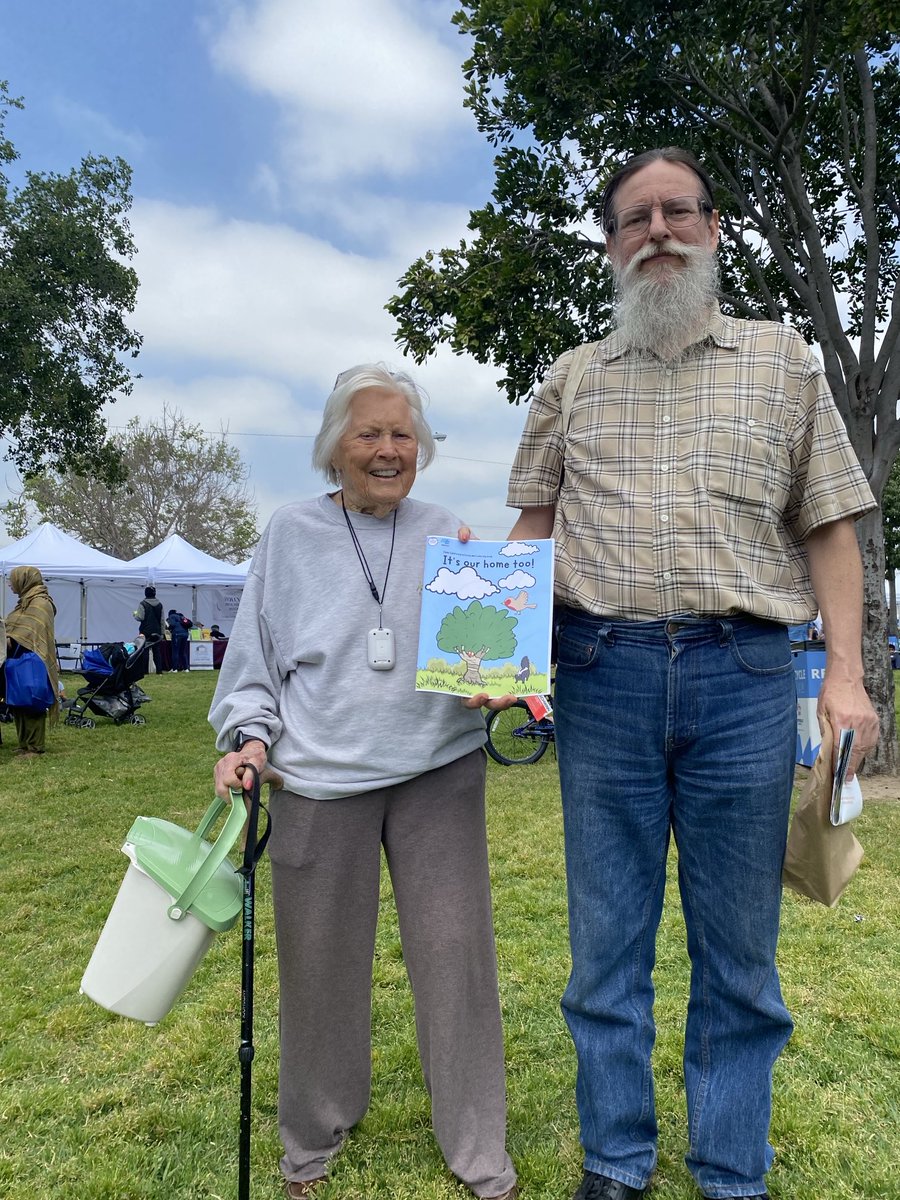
(483, 700)
(835, 568)
(845, 705)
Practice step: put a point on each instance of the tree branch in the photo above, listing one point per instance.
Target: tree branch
(866, 199)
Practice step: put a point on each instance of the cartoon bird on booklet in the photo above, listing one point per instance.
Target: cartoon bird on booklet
(517, 603)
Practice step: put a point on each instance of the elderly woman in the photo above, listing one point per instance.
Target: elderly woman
(30, 625)
(319, 681)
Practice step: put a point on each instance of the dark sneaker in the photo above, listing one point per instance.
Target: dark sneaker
(601, 1187)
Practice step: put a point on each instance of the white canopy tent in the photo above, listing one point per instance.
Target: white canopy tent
(72, 571)
(215, 586)
(96, 595)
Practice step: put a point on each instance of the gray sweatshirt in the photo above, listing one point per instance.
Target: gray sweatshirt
(296, 671)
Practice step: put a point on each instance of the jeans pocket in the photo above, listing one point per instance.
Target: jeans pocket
(576, 647)
(762, 650)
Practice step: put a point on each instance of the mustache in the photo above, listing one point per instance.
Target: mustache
(670, 247)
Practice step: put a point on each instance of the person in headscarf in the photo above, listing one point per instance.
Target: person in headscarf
(30, 625)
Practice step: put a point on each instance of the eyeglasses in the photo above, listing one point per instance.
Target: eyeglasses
(681, 212)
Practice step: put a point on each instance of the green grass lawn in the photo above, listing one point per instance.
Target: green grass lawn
(96, 1107)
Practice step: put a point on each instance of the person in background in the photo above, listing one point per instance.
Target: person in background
(179, 627)
(703, 492)
(31, 626)
(319, 680)
(216, 632)
(5, 714)
(149, 614)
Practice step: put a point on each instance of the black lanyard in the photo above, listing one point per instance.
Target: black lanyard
(363, 561)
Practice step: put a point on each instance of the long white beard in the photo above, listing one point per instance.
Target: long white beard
(664, 310)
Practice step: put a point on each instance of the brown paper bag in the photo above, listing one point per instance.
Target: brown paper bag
(821, 858)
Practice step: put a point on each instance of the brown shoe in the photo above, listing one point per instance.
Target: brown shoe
(295, 1189)
(510, 1195)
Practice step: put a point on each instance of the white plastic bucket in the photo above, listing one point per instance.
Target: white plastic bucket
(178, 891)
(143, 959)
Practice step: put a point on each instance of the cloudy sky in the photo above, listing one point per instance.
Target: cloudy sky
(290, 160)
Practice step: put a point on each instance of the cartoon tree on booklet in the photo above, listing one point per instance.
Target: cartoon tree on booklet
(477, 632)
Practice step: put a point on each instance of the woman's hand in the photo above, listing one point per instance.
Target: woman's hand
(483, 700)
(229, 770)
(465, 534)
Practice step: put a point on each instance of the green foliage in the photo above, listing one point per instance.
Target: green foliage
(177, 479)
(101, 1108)
(450, 680)
(795, 109)
(438, 665)
(523, 289)
(480, 629)
(64, 289)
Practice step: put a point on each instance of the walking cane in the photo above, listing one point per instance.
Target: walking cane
(253, 850)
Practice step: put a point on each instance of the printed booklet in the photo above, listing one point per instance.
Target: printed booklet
(487, 610)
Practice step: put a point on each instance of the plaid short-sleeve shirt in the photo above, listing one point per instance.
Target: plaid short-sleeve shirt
(690, 487)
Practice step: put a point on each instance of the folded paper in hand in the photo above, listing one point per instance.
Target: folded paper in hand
(821, 858)
(846, 798)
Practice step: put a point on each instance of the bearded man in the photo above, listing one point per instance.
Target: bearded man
(702, 491)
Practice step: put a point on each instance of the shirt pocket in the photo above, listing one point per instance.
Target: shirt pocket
(744, 465)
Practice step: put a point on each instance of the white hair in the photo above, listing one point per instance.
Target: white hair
(664, 314)
(336, 417)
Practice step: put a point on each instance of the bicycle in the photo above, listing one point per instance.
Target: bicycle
(515, 738)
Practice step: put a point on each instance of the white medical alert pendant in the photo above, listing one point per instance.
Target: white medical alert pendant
(380, 648)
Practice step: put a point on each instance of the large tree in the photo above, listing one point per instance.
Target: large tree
(890, 515)
(65, 288)
(178, 479)
(795, 109)
(477, 632)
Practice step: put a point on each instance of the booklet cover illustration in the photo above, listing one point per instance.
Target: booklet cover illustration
(487, 610)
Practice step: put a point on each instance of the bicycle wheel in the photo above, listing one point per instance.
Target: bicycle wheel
(513, 736)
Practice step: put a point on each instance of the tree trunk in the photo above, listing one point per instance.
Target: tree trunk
(876, 659)
(473, 667)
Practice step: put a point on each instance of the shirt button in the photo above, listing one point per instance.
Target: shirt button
(664, 517)
(667, 574)
(666, 420)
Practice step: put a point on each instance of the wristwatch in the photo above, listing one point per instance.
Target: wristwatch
(241, 739)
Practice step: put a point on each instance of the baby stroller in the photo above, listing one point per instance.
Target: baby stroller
(112, 689)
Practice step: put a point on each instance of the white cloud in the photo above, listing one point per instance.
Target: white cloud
(96, 128)
(236, 404)
(363, 85)
(465, 584)
(267, 299)
(518, 579)
(511, 549)
(254, 295)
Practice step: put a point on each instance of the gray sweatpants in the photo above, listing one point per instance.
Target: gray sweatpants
(326, 858)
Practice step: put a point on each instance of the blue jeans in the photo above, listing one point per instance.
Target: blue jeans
(689, 725)
(181, 655)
